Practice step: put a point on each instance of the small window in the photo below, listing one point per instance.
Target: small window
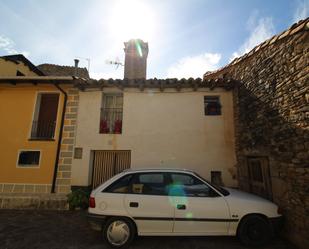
(29, 158)
(149, 184)
(187, 185)
(19, 73)
(212, 105)
(111, 114)
(120, 186)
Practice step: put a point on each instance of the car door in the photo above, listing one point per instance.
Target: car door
(149, 205)
(199, 210)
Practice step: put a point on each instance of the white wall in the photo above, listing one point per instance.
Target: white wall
(166, 129)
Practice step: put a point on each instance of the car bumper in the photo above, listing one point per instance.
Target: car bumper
(276, 224)
(96, 221)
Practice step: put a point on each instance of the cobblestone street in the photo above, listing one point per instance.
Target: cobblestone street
(69, 230)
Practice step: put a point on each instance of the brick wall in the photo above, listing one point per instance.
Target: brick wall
(272, 120)
(63, 182)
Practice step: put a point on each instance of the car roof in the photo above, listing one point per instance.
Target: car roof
(158, 170)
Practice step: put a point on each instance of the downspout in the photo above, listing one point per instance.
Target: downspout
(59, 138)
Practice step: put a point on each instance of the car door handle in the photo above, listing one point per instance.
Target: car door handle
(134, 204)
(181, 206)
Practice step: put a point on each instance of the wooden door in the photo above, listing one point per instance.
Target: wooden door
(47, 115)
(108, 163)
(259, 176)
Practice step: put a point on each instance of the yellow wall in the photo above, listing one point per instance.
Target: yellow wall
(9, 68)
(17, 105)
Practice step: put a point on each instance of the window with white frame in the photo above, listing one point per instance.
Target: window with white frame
(29, 158)
(45, 116)
(111, 113)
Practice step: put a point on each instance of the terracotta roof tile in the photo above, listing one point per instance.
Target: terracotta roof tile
(58, 70)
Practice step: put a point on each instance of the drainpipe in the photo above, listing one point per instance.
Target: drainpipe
(59, 138)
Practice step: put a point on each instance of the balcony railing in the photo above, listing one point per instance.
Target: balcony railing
(43, 129)
(111, 121)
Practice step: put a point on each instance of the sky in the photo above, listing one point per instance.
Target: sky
(186, 37)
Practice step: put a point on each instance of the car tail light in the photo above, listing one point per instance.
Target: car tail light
(91, 202)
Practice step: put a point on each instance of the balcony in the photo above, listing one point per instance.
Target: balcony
(43, 130)
(111, 121)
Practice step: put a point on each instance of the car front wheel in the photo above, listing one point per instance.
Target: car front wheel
(119, 232)
(254, 230)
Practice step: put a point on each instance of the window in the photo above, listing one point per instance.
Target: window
(120, 186)
(188, 185)
(45, 116)
(149, 183)
(212, 105)
(111, 114)
(29, 158)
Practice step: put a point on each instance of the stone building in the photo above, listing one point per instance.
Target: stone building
(272, 124)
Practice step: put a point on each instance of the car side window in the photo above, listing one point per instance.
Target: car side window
(188, 185)
(149, 184)
(122, 185)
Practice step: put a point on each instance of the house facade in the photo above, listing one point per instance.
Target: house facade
(36, 110)
(139, 123)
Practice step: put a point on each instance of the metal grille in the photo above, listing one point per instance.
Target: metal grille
(106, 164)
(43, 129)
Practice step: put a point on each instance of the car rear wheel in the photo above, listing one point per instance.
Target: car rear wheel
(254, 230)
(119, 232)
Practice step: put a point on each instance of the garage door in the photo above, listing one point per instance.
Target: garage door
(108, 163)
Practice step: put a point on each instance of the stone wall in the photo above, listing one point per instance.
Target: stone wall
(63, 182)
(272, 120)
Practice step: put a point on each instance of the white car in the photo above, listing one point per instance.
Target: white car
(162, 202)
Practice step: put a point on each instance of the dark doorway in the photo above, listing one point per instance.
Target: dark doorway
(259, 176)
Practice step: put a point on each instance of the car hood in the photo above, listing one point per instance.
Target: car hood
(243, 203)
(238, 194)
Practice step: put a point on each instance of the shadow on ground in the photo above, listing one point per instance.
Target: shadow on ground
(69, 230)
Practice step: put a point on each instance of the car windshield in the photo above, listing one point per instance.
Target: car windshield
(218, 188)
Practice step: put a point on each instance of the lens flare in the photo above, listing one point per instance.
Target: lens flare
(176, 195)
(139, 48)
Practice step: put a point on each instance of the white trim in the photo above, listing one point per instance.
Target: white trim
(25, 166)
(35, 112)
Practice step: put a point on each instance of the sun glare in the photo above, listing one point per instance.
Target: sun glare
(131, 19)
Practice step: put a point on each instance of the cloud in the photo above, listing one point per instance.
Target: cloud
(194, 66)
(261, 30)
(302, 10)
(8, 46)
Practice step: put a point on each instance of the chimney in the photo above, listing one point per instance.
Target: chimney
(76, 61)
(135, 64)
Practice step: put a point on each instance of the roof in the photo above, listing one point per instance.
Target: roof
(159, 169)
(39, 80)
(160, 84)
(58, 70)
(302, 25)
(16, 58)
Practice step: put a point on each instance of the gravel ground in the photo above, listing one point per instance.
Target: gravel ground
(69, 230)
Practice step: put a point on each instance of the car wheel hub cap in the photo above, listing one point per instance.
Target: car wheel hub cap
(118, 233)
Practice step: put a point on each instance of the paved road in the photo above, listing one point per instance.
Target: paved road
(31, 229)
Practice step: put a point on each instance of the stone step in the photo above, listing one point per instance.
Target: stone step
(33, 201)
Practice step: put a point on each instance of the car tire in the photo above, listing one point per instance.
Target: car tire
(254, 230)
(119, 232)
